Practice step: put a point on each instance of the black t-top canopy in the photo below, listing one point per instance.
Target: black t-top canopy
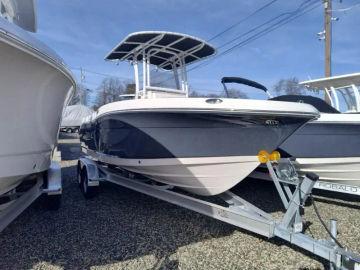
(163, 49)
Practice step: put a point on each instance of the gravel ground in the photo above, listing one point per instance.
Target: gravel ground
(122, 229)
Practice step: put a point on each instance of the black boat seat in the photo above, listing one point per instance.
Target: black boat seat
(318, 103)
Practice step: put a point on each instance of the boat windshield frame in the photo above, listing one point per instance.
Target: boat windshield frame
(336, 87)
(165, 50)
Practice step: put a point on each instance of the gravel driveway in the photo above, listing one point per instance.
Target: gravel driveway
(122, 229)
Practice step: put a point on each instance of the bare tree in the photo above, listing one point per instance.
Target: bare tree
(194, 93)
(234, 93)
(109, 90)
(81, 95)
(289, 86)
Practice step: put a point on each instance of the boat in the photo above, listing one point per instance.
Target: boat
(342, 91)
(34, 86)
(72, 117)
(202, 145)
(328, 146)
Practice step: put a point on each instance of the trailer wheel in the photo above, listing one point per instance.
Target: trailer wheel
(53, 202)
(88, 191)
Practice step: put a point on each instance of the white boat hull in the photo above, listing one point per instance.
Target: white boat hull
(335, 174)
(33, 90)
(339, 170)
(203, 176)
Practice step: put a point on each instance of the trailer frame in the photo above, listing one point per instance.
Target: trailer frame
(48, 183)
(239, 212)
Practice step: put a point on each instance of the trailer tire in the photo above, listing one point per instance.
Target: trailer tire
(53, 202)
(88, 191)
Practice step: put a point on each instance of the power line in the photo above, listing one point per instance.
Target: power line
(237, 23)
(301, 6)
(300, 11)
(100, 74)
(243, 20)
(268, 29)
(260, 34)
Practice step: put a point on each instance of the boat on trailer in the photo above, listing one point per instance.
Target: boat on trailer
(203, 145)
(328, 146)
(34, 86)
(73, 116)
(123, 138)
(235, 210)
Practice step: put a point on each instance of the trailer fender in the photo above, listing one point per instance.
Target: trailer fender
(91, 169)
(54, 180)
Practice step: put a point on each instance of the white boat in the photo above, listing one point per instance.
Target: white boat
(330, 145)
(34, 86)
(73, 116)
(203, 145)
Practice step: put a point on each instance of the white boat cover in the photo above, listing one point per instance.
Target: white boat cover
(74, 114)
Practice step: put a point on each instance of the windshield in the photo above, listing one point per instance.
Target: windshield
(162, 78)
(347, 99)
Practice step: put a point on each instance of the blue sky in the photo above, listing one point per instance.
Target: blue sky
(83, 32)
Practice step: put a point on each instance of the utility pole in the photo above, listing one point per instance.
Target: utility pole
(328, 30)
(81, 91)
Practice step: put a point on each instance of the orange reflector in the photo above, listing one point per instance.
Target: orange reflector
(263, 156)
(275, 156)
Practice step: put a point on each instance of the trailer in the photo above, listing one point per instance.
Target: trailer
(238, 211)
(47, 184)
